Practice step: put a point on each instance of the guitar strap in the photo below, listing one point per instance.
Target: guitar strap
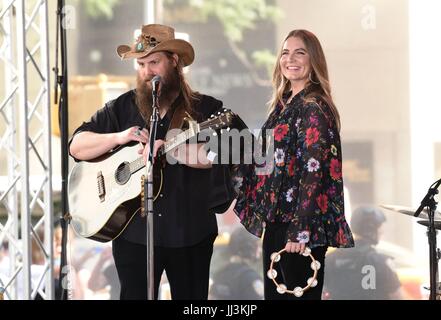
(178, 117)
(177, 120)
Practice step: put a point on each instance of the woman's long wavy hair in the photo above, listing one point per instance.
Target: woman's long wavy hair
(319, 74)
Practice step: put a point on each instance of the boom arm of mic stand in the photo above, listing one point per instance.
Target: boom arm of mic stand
(430, 202)
(427, 199)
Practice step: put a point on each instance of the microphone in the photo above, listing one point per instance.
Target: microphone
(155, 85)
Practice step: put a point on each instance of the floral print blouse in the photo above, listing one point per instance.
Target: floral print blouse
(305, 185)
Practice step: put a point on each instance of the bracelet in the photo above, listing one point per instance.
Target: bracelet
(298, 291)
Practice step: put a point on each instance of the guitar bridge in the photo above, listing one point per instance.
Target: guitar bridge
(101, 187)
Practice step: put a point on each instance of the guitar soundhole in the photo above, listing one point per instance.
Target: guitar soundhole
(122, 174)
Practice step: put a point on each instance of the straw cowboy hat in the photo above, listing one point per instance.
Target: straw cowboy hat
(155, 38)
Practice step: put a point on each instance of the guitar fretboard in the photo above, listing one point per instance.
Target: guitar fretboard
(136, 165)
(168, 145)
(177, 140)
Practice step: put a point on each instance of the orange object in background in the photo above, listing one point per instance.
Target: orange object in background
(88, 94)
(412, 284)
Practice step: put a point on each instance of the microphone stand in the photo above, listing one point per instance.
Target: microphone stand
(148, 199)
(430, 203)
(62, 81)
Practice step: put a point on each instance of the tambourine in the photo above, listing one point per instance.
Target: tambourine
(298, 291)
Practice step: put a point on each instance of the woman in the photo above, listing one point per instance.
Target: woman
(300, 201)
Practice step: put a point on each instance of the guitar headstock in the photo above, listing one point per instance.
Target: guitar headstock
(221, 119)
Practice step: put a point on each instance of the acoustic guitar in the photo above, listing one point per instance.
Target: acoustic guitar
(103, 193)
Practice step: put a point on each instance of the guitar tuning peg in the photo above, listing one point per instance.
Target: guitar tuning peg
(222, 131)
(228, 129)
(214, 134)
(218, 112)
(212, 116)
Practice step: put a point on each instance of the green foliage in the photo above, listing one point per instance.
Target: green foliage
(100, 8)
(264, 58)
(236, 16)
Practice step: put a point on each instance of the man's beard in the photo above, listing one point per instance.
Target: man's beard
(170, 86)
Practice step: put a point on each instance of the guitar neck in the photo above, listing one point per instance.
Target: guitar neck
(220, 121)
(168, 145)
(178, 140)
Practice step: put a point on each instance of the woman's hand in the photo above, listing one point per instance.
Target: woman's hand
(293, 247)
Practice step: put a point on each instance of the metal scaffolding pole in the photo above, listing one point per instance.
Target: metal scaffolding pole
(26, 190)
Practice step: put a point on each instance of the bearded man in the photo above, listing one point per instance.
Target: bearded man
(185, 227)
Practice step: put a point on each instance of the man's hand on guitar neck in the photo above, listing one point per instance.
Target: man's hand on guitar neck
(192, 155)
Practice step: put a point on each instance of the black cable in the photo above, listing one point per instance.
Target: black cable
(62, 81)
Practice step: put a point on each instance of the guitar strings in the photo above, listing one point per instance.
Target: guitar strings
(137, 164)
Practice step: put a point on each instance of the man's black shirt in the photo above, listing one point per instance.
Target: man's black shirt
(182, 215)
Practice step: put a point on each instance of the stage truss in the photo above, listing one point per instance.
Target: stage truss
(26, 224)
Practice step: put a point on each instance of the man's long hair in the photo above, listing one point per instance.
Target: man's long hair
(173, 81)
(319, 86)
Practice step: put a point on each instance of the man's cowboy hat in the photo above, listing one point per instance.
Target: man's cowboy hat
(154, 38)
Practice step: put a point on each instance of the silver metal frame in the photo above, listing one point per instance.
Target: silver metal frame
(25, 113)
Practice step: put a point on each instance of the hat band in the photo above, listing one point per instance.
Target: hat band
(145, 41)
